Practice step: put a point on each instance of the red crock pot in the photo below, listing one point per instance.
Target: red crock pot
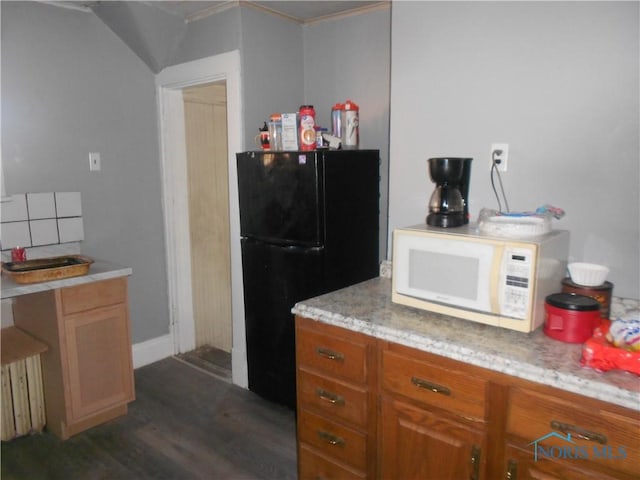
(570, 317)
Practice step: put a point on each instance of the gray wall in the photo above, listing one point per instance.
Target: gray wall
(272, 68)
(153, 34)
(565, 98)
(349, 58)
(271, 51)
(209, 36)
(557, 81)
(70, 87)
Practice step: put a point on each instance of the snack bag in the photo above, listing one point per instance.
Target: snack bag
(601, 353)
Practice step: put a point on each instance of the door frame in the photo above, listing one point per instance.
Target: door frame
(169, 85)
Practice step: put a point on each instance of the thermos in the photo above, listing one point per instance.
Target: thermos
(350, 125)
(336, 120)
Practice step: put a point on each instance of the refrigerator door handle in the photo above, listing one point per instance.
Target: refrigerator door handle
(299, 248)
(284, 245)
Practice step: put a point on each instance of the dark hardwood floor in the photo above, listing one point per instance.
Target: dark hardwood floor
(210, 359)
(184, 424)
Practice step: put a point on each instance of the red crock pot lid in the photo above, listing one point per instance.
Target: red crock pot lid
(573, 301)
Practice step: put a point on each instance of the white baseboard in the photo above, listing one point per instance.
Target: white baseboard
(239, 370)
(152, 350)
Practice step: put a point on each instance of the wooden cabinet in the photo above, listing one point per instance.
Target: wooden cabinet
(569, 436)
(432, 418)
(336, 402)
(418, 443)
(88, 373)
(407, 414)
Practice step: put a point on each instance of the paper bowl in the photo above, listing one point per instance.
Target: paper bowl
(588, 274)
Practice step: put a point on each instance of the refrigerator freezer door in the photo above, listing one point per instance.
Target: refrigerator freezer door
(275, 278)
(279, 195)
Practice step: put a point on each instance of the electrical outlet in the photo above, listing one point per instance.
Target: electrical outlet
(94, 161)
(499, 154)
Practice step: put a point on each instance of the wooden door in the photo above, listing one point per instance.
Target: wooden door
(206, 139)
(419, 444)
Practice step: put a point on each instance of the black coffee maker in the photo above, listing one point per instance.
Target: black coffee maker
(448, 205)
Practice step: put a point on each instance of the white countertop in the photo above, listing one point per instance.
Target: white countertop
(367, 308)
(99, 270)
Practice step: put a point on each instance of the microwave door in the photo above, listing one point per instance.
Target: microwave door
(445, 270)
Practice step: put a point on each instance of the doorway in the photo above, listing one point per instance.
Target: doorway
(205, 113)
(186, 247)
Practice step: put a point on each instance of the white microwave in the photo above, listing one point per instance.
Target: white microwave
(463, 273)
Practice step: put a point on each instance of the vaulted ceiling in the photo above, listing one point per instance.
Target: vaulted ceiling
(154, 29)
(303, 11)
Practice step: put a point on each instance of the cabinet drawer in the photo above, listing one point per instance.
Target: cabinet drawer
(456, 391)
(605, 437)
(521, 465)
(331, 353)
(337, 399)
(92, 295)
(314, 466)
(335, 440)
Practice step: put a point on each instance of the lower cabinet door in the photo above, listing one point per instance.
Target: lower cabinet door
(420, 444)
(98, 355)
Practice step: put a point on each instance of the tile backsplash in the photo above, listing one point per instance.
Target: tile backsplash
(36, 220)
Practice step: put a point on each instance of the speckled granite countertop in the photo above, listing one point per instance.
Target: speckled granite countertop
(99, 270)
(367, 308)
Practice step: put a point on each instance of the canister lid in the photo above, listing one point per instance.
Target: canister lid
(573, 301)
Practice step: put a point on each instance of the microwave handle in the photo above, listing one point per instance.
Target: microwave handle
(495, 285)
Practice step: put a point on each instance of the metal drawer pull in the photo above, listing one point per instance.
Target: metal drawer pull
(579, 432)
(330, 354)
(434, 387)
(475, 463)
(512, 470)
(330, 397)
(331, 439)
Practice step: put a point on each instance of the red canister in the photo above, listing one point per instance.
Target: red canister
(570, 317)
(307, 127)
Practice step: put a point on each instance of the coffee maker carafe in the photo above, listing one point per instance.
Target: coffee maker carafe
(448, 205)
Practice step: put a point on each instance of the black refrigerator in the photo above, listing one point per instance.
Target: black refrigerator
(308, 225)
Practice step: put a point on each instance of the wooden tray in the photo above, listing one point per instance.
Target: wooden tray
(47, 269)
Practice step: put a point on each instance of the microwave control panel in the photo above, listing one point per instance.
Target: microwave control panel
(516, 281)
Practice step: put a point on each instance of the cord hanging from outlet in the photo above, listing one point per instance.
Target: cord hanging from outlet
(495, 154)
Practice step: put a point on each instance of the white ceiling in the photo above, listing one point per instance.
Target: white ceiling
(303, 11)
